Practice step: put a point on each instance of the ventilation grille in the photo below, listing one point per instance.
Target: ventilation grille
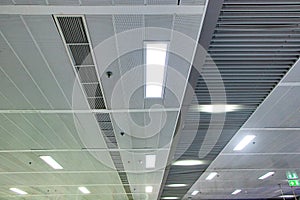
(75, 37)
(76, 40)
(73, 29)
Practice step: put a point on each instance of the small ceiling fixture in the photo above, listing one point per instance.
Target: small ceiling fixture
(50, 161)
(195, 192)
(211, 176)
(18, 191)
(176, 185)
(287, 196)
(236, 191)
(84, 190)
(266, 175)
(170, 198)
(189, 162)
(216, 108)
(148, 189)
(150, 161)
(244, 142)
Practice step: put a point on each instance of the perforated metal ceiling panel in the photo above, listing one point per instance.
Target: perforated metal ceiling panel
(59, 97)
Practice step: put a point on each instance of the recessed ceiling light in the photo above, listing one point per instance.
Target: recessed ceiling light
(189, 162)
(50, 161)
(244, 142)
(156, 54)
(266, 175)
(18, 191)
(211, 176)
(216, 108)
(176, 185)
(148, 189)
(195, 192)
(170, 198)
(84, 190)
(236, 191)
(150, 161)
(287, 196)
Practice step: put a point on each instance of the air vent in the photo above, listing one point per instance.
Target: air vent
(76, 40)
(103, 117)
(92, 90)
(87, 74)
(81, 54)
(96, 102)
(73, 29)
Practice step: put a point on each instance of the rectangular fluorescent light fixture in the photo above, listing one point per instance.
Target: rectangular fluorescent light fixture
(236, 191)
(50, 161)
(287, 196)
(84, 190)
(195, 192)
(156, 56)
(18, 191)
(216, 108)
(266, 175)
(148, 189)
(150, 161)
(244, 142)
(211, 176)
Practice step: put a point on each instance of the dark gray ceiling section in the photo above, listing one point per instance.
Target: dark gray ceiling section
(253, 45)
(209, 23)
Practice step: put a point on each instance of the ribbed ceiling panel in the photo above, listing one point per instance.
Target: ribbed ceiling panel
(253, 46)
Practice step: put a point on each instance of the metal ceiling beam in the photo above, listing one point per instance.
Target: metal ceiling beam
(91, 111)
(100, 10)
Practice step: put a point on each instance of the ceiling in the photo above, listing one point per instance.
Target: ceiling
(72, 76)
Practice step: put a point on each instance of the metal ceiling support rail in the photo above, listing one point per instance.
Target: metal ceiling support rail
(73, 30)
(152, 110)
(101, 10)
(252, 52)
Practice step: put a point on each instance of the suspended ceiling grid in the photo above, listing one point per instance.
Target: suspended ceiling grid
(42, 105)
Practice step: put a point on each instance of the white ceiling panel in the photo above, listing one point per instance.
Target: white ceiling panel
(63, 2)
(267, 117)
(96, 2)
(192, 2)
(268, 141)
(45, 33)
(43, 91)
(29, 2)
(54, 117)
(6, 2)
(161, 2)
(128, 2)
